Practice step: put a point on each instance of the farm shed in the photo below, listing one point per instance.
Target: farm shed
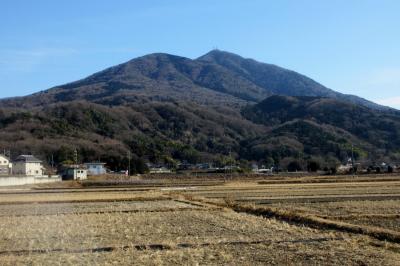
(74, 173)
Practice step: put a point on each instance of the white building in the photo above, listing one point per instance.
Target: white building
(159, 170)
(75, 173)
(5, 165)
(96, 168)
(27, 165)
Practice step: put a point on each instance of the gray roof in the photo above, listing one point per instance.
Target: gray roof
(2, 155)
(27, 159)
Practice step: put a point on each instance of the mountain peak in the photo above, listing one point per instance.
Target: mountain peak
(159, 57)
(217, 55)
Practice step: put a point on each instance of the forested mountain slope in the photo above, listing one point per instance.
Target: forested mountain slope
(219, 107)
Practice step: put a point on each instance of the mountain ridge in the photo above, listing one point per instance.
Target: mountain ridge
(216, 74)
(217, 108)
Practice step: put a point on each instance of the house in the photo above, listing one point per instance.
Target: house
(254, 168)
(344, 168)
(265, 170)
(96, 168)
(159, 170)
(385, 167)
(204, 166)
(186, 166)
(27, 165)
(74, 172)
(5, 165)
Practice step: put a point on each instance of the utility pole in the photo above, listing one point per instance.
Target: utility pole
(352, 145)
(7, 153)
(129, 163)
(76, 157)
(352, 160)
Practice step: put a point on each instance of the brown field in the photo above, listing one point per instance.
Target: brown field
(254, 221)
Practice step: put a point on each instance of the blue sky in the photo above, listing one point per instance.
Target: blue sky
(350, 46)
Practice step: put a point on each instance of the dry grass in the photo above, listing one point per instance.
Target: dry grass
(253, 190)
(371, 204)
(29, 198)
(384, 214)
(212, 237)
(21, 210)
(344, 208)
(317, 222)
(205, 225)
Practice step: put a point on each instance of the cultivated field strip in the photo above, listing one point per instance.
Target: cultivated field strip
(300, 187)
(384, 214)
(44, 209)
(216, 237)
(71, 191)
(266, 194)
(270, 253)
(367, 207)
(198, 225)
(158, 247)
(389, 223)
(188, 227)
(109, 196)
(344, 208)
(317, 199)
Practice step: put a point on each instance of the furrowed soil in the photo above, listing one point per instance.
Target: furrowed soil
(300, 221)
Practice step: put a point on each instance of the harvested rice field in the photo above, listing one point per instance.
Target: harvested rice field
(228, 223)
(382, 213)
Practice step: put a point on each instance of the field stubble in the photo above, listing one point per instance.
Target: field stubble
(169, 227)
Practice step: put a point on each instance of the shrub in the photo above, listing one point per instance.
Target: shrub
(313, 166)
(294, 166)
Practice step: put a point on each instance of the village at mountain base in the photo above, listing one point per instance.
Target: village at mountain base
(27, 169)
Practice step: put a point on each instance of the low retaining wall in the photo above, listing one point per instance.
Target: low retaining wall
(25, 180)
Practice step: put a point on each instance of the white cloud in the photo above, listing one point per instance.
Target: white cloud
(28, 60)
(384, 81)
(381, 85)
(392, 102)
(387, 76)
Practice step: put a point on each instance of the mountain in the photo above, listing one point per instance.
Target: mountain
(325, 127)
(277, 80)
(162, 132)
(213, 79)
(219, 107)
